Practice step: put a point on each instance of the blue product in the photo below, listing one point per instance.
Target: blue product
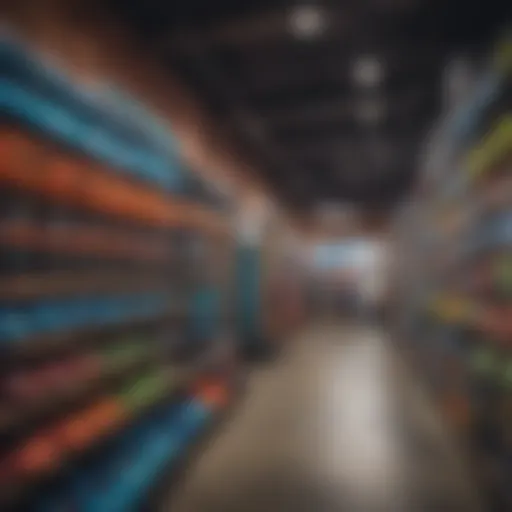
(14, 324)
(48, 316)
(195, 417)
(94, 484)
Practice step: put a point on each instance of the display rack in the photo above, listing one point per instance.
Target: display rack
(270, 293)
(454, 287)
(114, 341)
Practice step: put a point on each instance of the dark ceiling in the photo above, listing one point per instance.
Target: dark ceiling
(281, 75)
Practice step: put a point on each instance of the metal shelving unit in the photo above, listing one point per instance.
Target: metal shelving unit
(454, 303)
(109, 326)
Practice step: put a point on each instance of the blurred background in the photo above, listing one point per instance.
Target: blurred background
(256, 256)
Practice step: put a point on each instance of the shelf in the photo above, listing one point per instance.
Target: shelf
(494, 321)
(176, 469)
(94, 183)
(496, 194)
(72, 283)
(81, 241)
(91, 188)
(32, 414)
(40, 347)
(470, 268)
(113, 127)
(20, 490)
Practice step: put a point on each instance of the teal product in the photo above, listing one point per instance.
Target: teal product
(205, 314)
(20, 323)
(106, 127)
(120, 478)
(248, 283)
(14, 324)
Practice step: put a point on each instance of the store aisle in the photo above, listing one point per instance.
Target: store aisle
(334, 425)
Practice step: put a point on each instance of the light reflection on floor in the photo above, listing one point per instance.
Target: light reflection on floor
(332, 426)
(360, 446)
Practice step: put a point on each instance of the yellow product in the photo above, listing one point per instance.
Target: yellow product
(453, 308)
(503, 55)
(492, 149)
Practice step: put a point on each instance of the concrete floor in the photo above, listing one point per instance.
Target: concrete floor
(333, 425)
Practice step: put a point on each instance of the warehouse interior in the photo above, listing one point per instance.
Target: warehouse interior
(255, 256)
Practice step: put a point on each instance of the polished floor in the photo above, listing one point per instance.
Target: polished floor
(335, 424)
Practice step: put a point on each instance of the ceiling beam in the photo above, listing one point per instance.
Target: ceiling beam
(331, 110)
(262, 28)
(248, 125)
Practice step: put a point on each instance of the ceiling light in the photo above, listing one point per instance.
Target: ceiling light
(307, 22)
(367, 72)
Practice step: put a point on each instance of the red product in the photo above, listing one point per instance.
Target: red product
(214, 394)
(38, 454)
(73, 371)
(25, 386)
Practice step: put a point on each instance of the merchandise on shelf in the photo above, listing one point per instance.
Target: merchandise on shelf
(98, 292)
(455, 301)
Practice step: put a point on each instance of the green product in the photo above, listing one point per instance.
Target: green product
(122, 355)
(507, 374)
(144, 391)
(494, 147)
(503, 274)
(483, 361)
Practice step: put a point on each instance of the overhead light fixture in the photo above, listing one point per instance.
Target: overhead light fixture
(307, 22)
(367, 72)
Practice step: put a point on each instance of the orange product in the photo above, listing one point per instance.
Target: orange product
(29, 164)
(62, 179)
(80, 430)
(19, 159)
(12, 144)
(114, 195)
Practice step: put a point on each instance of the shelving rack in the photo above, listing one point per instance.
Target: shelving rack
(454, 287)
(113, 342)
(270, 294)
